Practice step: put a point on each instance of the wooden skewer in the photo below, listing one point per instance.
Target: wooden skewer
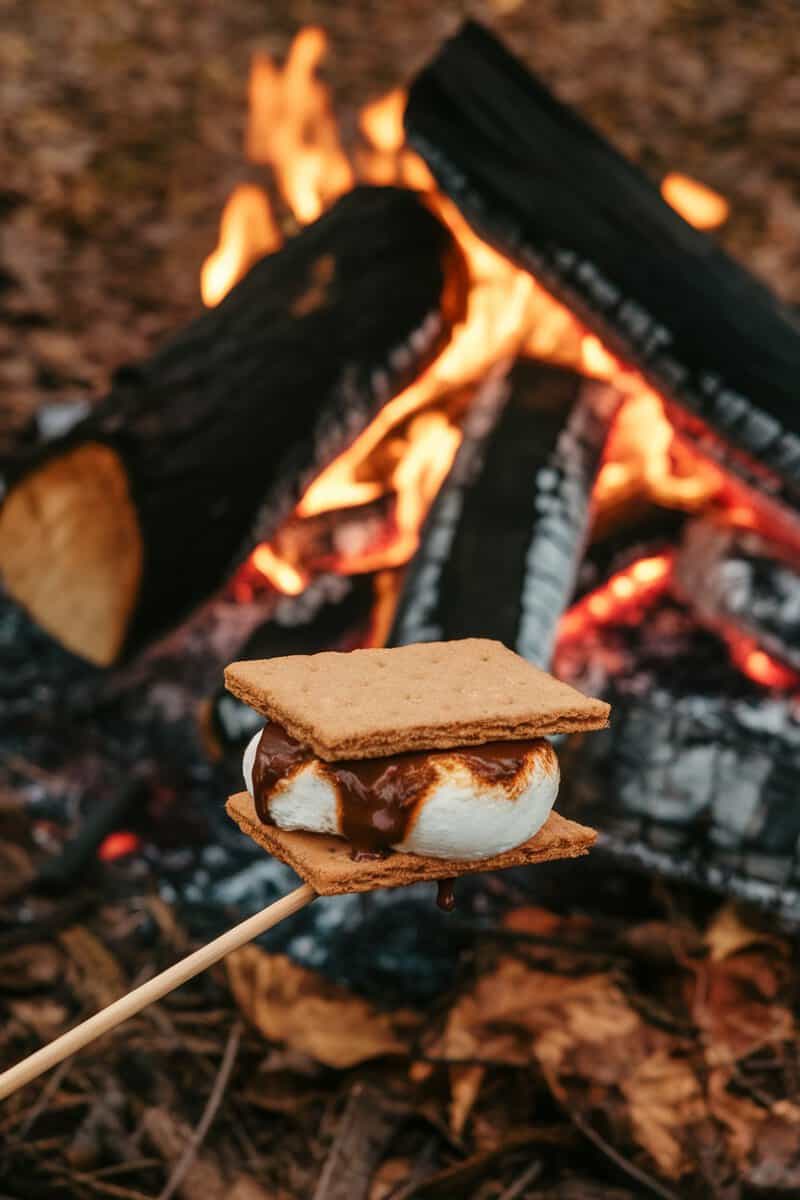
(127, 1006)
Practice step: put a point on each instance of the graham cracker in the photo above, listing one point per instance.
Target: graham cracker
(429, 696)
(326, 864)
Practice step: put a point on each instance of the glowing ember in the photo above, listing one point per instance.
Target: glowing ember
(619, 597)
(759, 666)
(698, 204)
(118, 845)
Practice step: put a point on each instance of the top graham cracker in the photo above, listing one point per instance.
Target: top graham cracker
(428, 696)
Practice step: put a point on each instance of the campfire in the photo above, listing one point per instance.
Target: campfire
(444, 391)
(462, 371)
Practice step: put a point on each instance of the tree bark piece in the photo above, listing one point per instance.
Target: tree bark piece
(542, 186)
(113, 532)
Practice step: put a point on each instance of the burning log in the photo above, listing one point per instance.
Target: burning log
(735, 579)
(502, 545)
(109, 534)
(548, 191)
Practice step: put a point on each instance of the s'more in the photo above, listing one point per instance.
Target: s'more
(383, 767)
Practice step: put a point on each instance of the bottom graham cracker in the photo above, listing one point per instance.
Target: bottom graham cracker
(326, 864)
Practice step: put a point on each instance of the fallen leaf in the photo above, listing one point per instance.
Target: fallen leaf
(738, 1116)
(729, 934)
(46, 1017)
(16, 869)
(515, 1013)
(465, 1085)
(775, 1158)
(27, 967)
(244, 1187)
(100, 980)
(389, 1176)
(540, 922)
(291, 1004)
(664, 1097)
(663, 942)
(733, 1005)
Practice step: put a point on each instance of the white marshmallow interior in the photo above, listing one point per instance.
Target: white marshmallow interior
(461, 817)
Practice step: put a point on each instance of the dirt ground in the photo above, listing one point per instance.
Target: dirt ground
(576, 1057)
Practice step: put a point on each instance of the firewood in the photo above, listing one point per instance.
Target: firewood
(547, 190)
(500, 549)
(111, 533)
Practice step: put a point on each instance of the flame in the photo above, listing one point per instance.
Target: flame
(281, 574)
(247, 231)
(697, 203)
(406, 452)
(292, 128)
(643, 458)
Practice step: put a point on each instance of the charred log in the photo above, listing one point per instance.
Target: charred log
(501, 548)
(697, 776)
(546, 189)
(111, 533)
(735, 579)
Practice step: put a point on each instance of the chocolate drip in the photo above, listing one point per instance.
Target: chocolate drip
(445, 896)
(278, 757)
(377, 797)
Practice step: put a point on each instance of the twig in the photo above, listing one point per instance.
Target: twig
(99, 1185)
(367, 1124)
(531, 1172)
(606, 1148)
(214, 1100)
(43, 1099)
(155, 989)
(406, 1189)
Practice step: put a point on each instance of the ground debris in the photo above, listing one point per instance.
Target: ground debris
(660, 1056)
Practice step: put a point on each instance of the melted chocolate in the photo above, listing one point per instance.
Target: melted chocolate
(377, 797)
(278, 757)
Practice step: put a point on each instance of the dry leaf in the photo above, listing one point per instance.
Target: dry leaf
(465, 1085)
(664, 1096)
(727, 1008)
(16, 870)
(246, 1188)
(775, 1159)
(46, 1017)
(729, 934)
(515, 1013)
(540, 922)
(388, 1178)
(33, 966)
(291, 1004)
(737, 1115)
(100, 978)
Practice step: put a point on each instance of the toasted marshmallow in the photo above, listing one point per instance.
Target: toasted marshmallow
(460, 816)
